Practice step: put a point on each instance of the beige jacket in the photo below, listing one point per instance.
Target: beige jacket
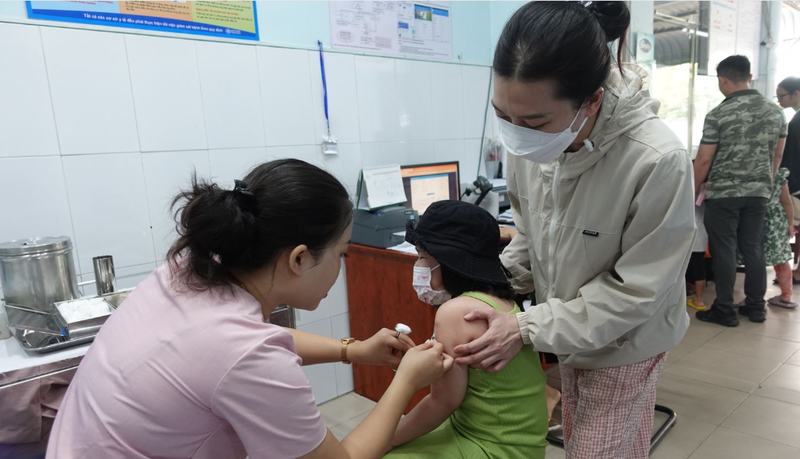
(605, 236)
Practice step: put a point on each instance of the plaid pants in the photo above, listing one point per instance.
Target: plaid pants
(608, 412)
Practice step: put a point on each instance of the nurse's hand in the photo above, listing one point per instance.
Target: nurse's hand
(501, 342)
(382, 349)
(423, 365)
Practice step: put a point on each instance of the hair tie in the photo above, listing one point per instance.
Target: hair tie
(586, 4)
(244, 197)
(241, 188)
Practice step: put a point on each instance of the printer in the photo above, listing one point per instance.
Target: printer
(377, 228)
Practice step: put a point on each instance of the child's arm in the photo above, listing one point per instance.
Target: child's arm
(788, 207)
(447, 392)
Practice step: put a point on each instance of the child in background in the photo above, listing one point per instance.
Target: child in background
(778, 230)
(696, 272)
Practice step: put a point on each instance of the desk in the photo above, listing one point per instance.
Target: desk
(16, 364)
(31, 389)
(380, 295)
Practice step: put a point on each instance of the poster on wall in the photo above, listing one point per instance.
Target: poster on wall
(411, 29)
(233, 19)
(734, 28)
(748, 32)
(645, 49)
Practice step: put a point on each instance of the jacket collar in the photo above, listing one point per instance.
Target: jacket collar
(743, 92)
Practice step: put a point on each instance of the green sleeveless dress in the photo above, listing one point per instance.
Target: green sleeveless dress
(503, 415)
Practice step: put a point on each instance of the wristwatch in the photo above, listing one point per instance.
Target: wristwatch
(345, 342)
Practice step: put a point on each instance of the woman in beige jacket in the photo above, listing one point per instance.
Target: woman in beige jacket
(601, 191)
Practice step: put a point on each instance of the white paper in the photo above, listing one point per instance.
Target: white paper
(748, 33)
(413, 29)
(735, 29)
(498, 182)
(380, 187)
(330, 148)
(722, 32)
(405, 247)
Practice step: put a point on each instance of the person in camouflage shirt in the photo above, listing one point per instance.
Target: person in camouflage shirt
(741, 149)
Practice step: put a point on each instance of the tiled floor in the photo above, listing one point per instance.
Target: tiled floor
(736, 391)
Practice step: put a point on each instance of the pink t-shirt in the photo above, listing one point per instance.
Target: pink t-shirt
(188, 375)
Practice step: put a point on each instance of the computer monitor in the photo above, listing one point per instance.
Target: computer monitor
(428, 183)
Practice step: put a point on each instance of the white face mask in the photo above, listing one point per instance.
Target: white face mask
(422, 284)
(538, 146)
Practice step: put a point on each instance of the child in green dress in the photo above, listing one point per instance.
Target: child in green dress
(778, 230)
(470, 413)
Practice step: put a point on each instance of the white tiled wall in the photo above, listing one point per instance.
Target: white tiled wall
(98, 131)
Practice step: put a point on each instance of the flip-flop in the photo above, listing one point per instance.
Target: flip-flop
(777, 301)
(690, 302)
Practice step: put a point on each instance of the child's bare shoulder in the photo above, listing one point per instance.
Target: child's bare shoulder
(451, 327)
(460, 306)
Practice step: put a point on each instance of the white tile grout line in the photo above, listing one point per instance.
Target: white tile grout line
(61, 158)
(349, 395)
(752, 392)
(704, 440)
(145, 153)
(749, 394)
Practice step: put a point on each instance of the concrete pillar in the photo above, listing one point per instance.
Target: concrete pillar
(768, 53)
(641, 23)
(641, 18)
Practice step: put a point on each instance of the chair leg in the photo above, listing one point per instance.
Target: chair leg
(672, 417)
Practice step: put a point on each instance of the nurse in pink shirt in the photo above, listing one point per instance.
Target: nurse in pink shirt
(187, 367)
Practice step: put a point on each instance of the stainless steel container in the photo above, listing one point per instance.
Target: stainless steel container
(283, 315)
(104, 277)
(78, 328)
(38, 272)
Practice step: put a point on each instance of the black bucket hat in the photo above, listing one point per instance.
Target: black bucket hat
(463, 237)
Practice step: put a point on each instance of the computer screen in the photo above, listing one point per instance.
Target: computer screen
(427, 183)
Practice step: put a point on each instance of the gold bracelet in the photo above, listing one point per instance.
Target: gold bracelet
(345, 343)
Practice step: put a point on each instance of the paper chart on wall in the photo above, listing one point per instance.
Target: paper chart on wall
(748, 33)
(735, 28)
(411, 29)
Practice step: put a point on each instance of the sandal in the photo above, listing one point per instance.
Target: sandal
(777, 301)
(690, 302)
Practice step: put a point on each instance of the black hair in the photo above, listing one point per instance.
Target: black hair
(456, 285)
(564, 42)
(790, 84)
(735, 68)
(279, 205)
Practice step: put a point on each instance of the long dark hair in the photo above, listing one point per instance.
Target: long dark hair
(564, 42)
(456, 285)
(280, 205)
